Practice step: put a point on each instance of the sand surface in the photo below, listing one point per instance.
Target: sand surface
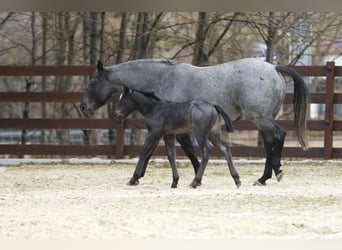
(77, 201)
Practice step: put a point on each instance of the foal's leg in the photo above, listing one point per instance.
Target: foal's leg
(170, 150)
(204, 144)
(150, 144)
(223, 146)
(188, 148)
(145, 165)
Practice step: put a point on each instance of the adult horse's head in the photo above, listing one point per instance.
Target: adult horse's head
(99, 90)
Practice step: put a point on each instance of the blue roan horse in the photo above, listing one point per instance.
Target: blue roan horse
(167, 119)
(247, 87)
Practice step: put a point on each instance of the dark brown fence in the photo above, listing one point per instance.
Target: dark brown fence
(119, 150)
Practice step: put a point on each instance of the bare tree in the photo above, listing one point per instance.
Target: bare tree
(200, 56)
(6, 18)
(29, 81)
(146, 23)
(122, 37)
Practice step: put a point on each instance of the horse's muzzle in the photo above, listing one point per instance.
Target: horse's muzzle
(86, 111)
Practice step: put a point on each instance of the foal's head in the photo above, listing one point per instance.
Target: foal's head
(131, 100)
(126, 104)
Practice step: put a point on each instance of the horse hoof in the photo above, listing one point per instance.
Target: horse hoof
(133, 183)
(194, 184)
(280, 176)
(238, 185)
(258, 183)
(174, 186)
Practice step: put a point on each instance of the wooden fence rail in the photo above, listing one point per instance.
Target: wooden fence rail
(119, 150)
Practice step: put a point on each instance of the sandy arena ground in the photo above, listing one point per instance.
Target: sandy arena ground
(72, 201)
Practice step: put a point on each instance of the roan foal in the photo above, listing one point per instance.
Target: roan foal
(167, 119)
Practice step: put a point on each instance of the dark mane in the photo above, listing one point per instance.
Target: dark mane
(170, 62)
(166, 62)
(150, 95)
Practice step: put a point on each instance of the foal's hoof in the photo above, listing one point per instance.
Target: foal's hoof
(280, 176)
(133, 182)
(195, 184)
(173, 185)
(258, 183)
(238, 185)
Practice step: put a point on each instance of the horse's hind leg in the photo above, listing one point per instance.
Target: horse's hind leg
(277, 152)
(273, 137)
(188, 148)
(204, 144)
(170, 150)
(222, 145)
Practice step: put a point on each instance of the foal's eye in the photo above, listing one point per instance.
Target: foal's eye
(92, 80)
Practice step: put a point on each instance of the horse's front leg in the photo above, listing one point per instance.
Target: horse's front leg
(150, 144)
(223, 146)
(170, 150)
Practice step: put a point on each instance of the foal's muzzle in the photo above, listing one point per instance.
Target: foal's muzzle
(118, 116)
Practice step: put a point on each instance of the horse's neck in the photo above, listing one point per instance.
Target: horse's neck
(143, 103)
(140, 76)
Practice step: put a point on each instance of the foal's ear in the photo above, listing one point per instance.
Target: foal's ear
(127, 90)
(99, 66)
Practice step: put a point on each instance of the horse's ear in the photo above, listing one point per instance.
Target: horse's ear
(126, 89)
(100, 66)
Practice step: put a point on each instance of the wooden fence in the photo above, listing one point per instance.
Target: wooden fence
(119, 150)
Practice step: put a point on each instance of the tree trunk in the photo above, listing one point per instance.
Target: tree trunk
(137, 47)
(93, 37)
(145, 27)
(29, 81)
(200, 56)
(271, 37)
(44, 51)
(102, 35)
(122, 38)
(61, 84)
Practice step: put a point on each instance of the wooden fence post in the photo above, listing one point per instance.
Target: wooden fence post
(329, 111)
(120, 140)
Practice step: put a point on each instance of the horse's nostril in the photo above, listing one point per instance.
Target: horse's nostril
(82, 107)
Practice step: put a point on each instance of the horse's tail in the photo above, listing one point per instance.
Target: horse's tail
(300, 102)
(226, 118)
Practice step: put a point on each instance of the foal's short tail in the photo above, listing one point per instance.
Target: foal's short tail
(227, 121)
(300, 102)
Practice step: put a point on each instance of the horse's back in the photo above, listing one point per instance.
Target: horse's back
(248, 87)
